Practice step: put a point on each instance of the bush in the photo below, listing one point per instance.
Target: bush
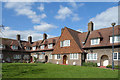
(110, 66)
(91, 64)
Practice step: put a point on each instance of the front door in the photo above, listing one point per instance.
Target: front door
(64, 59)
(104, 60)
(46, 58)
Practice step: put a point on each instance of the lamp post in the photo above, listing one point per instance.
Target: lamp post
(113, 24)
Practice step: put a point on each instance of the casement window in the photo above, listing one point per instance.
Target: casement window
(95, 41)
(42, 46)
(74, 56)
(26, 57)
(40, 56)
(14, 47)
(116, 39)
(116, 56)
(1, 56)
(34, 48)
(50, 56)
(17, 56)
(57, 56)
(92, 56)
(27, 48)
(50, 46)
(2, 46)
(65, 43)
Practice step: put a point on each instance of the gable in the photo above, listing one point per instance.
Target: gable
(73, 48)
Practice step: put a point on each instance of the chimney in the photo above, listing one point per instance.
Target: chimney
(62, 30)
(30, 39)
(18, 37)
(44, 36)
(90, 26)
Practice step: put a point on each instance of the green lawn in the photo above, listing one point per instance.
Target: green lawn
(39, 70)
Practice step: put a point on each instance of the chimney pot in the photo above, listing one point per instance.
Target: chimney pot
(90, 26)
(30, 39)
(44, 36)
(18, 37)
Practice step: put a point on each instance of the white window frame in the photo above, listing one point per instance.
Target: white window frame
(95, 41)
(117, 55)
(34, 48)
(42, 47)
(116, 39)
(50, 56)
(73, 55)
(91, 56)
(14, 47)
(41, 56)
(56, 56)
(65, 43)
(50, 46)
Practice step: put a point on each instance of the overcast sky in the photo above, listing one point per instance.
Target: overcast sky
(36, 18)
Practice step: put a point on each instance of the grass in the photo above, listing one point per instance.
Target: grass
(40, 70)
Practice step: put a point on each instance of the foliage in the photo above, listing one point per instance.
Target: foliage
(110, 66)
(90, 64)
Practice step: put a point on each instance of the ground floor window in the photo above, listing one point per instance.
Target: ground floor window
(17, 56)
(92, 56)
(26, 57)
(74, 56)
(40, 56)
(57, 56)
(116, 56)
(50, 55)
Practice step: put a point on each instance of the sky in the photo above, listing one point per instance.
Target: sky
(36, 18)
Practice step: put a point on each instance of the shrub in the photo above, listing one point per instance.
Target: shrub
(91, 64)
(110, 66)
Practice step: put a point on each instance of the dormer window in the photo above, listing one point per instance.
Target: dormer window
(2, 46)
(95, 41)
(116, 39)
(42, 46)
(50, 46)
(34, 48)
(14, 47)
(65, 43)
(27, 48)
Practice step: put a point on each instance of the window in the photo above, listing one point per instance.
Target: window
(14, 47)
(42, 46)
(40, 56)
(26, 57)
(2, 46)
(92, 56)
(74, 56)
(57, 56)
(116, 39)
(65, 43)
(116, 56)
(1, 56)
(34, 47)
(50, 46)
(17, 56)
(27, 48)
(50, 55)
(95, 41)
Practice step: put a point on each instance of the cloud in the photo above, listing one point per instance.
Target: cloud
(63, 13)
(75, 17)
(9, 33)
(44, 27)
(41, 7)
(76, 5)
(105, 18)
(25, 8)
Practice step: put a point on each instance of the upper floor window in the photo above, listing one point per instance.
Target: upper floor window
(57, 56)
(14, 47)
(42, 46)
(116, 39)
(50, 46)
(65, 43)
(27, 48)
(74, 56)
(116, 56)
(34, 47)
(95, 41)
(92, 56)
(2, 46)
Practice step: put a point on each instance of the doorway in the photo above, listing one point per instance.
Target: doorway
(46, 58)
(104, 60)
(64, 59)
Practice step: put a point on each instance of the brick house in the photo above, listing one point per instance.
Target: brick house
(71, 47)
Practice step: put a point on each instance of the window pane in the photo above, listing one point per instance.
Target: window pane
(115, 55)
(118, 56)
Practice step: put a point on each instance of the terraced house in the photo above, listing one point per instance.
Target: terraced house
(71, 47)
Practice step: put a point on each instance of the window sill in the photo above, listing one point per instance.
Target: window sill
(91, 59)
